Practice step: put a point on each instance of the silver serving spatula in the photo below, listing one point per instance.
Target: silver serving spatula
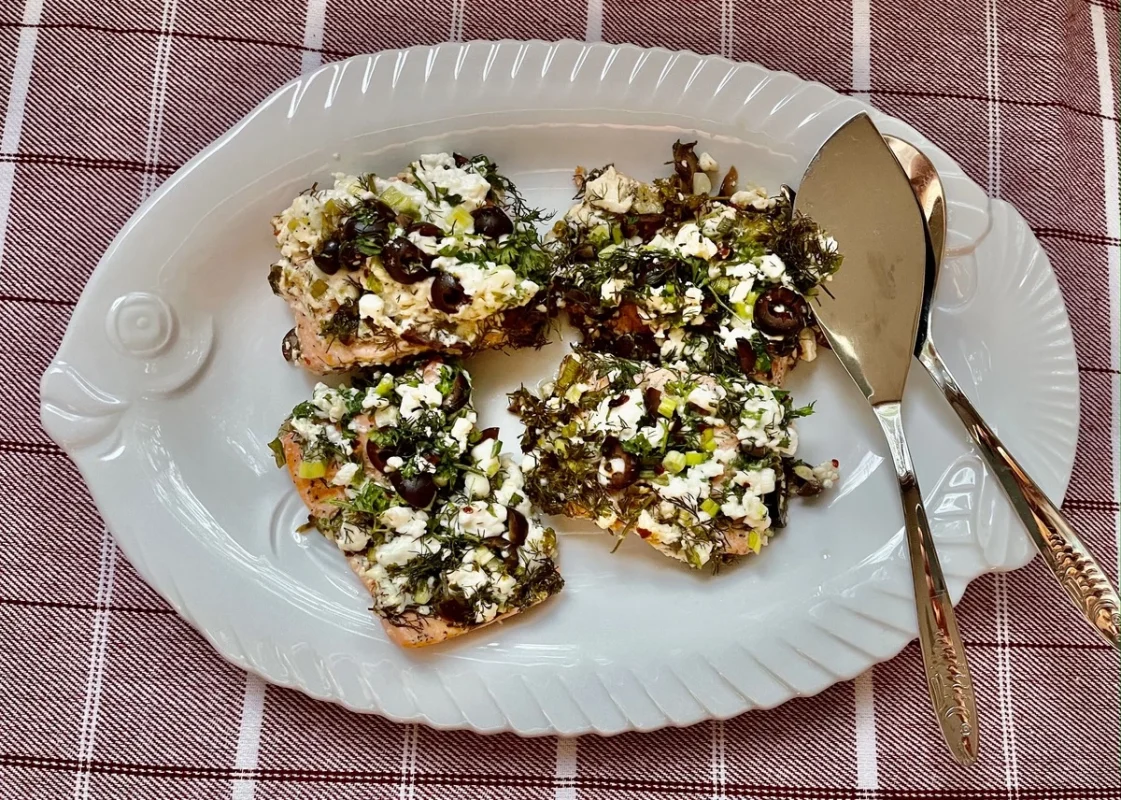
(857, 192)
(1063, 550)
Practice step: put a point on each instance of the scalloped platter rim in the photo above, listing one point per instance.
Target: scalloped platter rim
(156, 394)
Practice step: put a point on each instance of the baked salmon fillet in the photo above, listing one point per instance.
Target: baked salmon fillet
(699, 466)
(443, 258)
(683, 272)
(429, 514)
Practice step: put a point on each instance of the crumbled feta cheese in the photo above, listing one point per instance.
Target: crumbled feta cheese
(690, 242)
(345, 474)
(483, 520)
(385, 417)
(611, 191)
(656, 531)
(741, 290)
(462, 428)
(610, 290)
(621, 419)
(307, 430)
(705, 397)
(707, 163)
(476, 485)
(771, 266)
(754, 197)
(415, 398)
(370, 306)
(350, 538)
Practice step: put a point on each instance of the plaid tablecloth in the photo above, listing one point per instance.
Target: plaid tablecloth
(104, 692)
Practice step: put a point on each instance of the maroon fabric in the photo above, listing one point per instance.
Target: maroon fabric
(104, 692)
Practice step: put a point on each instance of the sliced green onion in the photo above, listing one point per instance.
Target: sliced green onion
(277, 448)
(310, 470)
(721, 285)
(396, 199)
(667, 406)
(708, 439)
(674, 461)
(569, 369)
(755, 542)
(384, 387)
(616, 234)
(599, 235)
(318, 288)
(460, 219)
(693, 458)
(710, 507)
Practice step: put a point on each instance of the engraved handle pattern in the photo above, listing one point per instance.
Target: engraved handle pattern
(947, 671)
(1080, 575)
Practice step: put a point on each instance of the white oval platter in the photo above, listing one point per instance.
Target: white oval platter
(169, 383)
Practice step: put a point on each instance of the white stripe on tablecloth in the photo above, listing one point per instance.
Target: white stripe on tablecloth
(719, 761)
(159, 96)
(1000, 581)
(99, 637)
(1004, 686)
(993, 77)
(861, 48)
(593, 27)
(1112, 201)
(867, 758)
(249, 735)
(314, 22)
(406, 789)
(726, 15)
(17, 103)
(564, 775)
(456, 33)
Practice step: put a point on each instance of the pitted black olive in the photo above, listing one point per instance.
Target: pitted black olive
(417, 490)
(619, 478)
(425, 229)
(487, 433)
(780, 311)
(290, 347)
(746, 355)
(652, 399)
(327, 259)
(492, 221)
(404, 261)
(458, 395)
(447, 293)
(518, 527)
(379, 456)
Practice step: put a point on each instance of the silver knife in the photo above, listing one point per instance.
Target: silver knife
(857, 192)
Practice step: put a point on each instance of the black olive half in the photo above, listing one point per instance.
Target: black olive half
(652, 399)
(518, 527)
(730, 183)
(780, 311)
(417, 490)
(327, 259)
(487, 433)
(621, 479)
(492, 221)
(379, 456)
(458, 395)
(746, 355)
(447, 293)
(425, 229)
(290, 347)
(404, 261)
